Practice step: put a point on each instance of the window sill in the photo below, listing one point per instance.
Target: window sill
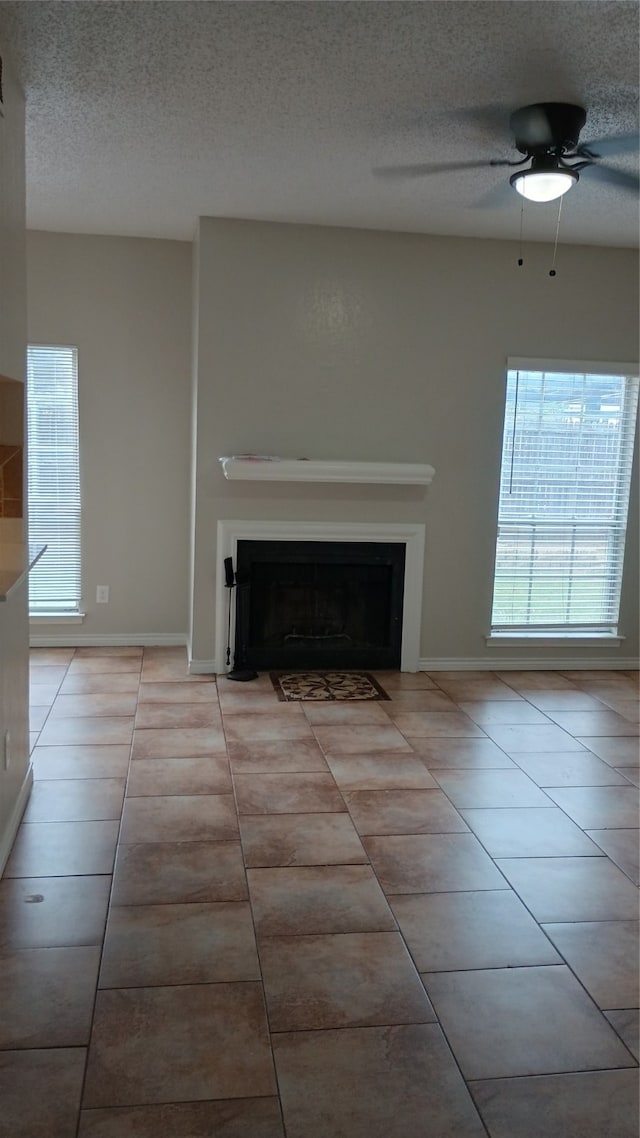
(58, 618)
(562, 640)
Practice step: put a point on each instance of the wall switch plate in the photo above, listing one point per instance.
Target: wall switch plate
(102, 594)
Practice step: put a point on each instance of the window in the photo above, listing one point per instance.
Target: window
(564, 498)
(54, 479)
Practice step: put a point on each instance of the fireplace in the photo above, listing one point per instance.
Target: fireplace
(309, 604)
(375, 538)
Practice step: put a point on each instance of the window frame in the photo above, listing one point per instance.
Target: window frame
(502, 635)
(56, 613)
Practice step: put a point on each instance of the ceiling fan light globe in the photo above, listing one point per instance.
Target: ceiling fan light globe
(543, 185)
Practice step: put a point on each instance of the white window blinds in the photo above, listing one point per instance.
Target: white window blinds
(54, 478)
(564, 499)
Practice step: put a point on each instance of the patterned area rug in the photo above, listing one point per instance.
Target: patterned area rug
(326, 686)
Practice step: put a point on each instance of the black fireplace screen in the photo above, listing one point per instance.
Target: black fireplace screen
(313, 604)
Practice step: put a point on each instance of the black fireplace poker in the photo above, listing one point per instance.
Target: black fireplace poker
(242, 675)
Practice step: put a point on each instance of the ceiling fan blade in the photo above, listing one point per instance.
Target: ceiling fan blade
(613, 177)
(423, 169)
(613, 144)
(497, 197)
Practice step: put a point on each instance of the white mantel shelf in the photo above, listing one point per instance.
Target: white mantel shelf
(313, 470)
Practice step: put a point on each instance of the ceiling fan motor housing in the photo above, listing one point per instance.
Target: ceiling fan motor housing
(544, 128)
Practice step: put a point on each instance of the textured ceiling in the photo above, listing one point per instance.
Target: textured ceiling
(142, 116)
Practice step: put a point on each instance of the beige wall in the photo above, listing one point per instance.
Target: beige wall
(15, 781)
(126, 304)
(337, 343)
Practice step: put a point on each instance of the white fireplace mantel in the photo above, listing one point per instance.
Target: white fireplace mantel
(249, 468)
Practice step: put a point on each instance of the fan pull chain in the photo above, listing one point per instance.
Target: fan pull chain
(552, 270)
(521, 258)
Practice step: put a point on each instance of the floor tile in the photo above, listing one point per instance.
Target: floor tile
(509, 711)
(594, 723)
(600, 807)
(178, 1044)
(42, 695)
(37, 716)
(469, 789)
(115, 703)
(100, 683)
(179, 818)
(403, 812)
(522, 1021)
(432, 863)
(108, 650)
(447, 932)
(616, 684)
(306, 793)
(81, 762)
(63, 849)
(632, 774)
(529, 832)
(536, 681)
(618, 751)
(318, 899)
(52, 912)
(163, 873)
(175, 743)
(40, 1092)
(421, 699)
(168, 670)
(629, 708)
(178, 693)
(47, 673)
(372, 1082)
(344, 980)
(254, 728)
(202, 775)
(335, 714)
(577, 768)
(229, 1118)
(572, 888)
(91, 729)
(234, 699)
(627, 1025)
(47, 996)
(75, 800)
(380, 772)
(404, 681)
(90, 665)
(360, 739)
(300, 839)
(532, 738)
(460, 754)
(437, 725)
(180, 715)
(604, 956)
(623, 847)
(148, 945)
(561, 700)
(55, 656)
(585, 1105)
(276, 756)
(462, 688)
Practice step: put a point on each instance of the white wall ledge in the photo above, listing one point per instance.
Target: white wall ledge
(314, 470)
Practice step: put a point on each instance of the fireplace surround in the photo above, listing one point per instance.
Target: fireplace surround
(302, 538)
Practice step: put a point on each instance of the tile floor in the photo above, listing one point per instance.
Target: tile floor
(227, 916)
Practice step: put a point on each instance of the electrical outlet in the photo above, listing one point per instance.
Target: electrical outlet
(6, 751)
(102, 594)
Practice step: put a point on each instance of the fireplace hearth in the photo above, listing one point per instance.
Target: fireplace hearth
(319, 604)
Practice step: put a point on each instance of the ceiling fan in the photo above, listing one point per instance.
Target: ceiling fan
(547, 134)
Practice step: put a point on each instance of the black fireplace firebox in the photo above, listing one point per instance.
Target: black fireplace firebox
(317, 604)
